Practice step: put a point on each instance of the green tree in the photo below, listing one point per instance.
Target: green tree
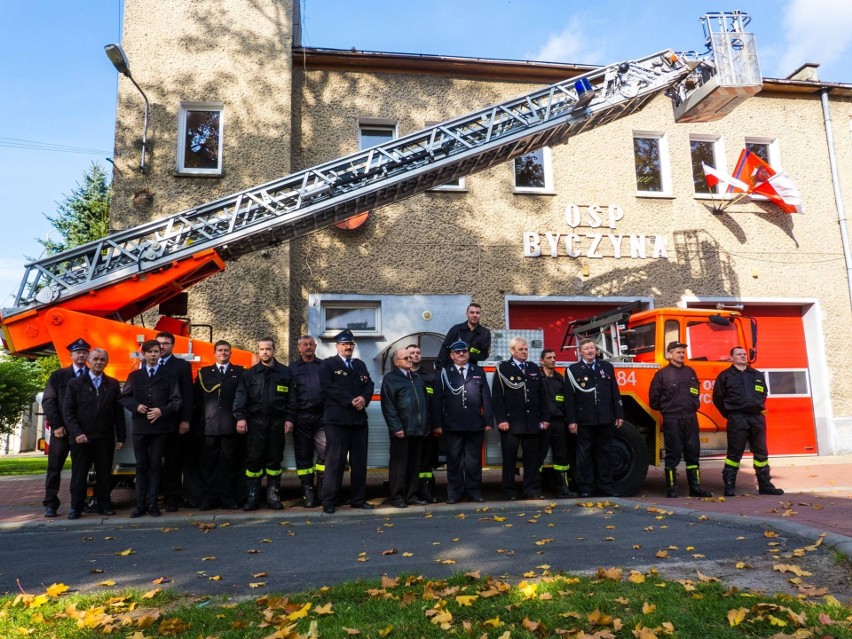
(82, 216)
(20, 380)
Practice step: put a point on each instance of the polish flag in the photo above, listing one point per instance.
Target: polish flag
(713, 177)
(763, 180)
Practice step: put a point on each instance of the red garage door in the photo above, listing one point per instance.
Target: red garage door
(553, 319)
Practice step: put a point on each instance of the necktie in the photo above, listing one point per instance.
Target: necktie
(97, 381)
(348, 363)
(461, 371)
(162, 362)
(150, 372)
(80, 372)
(221, 370)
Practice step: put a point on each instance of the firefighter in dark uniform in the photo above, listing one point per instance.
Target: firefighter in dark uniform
(462, 412)
(181, 479)
(152, 395)
(265, 407)
(740, 395)
(431, 443)
(215, 392)
(347, 390)
(472, 333)
(562, 443)
(309, 433)
(51, 401)
(675, 392)
(594, 412)
(520, 410)
(94, 419)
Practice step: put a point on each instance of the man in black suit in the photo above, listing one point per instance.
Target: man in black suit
(347, 390)
(520, 410)
(215, 390)
(594, 410)
(94, 419)
(181, 477)
(152, 395)
(52, 401)
(472, 333)
(462, 413)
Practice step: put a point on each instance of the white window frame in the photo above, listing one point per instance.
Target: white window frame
(665, 164)
(718, 163)
(460, 187)
(805, 371)
(547, 189)
(377, 123)
(376, 305)
(181, 137)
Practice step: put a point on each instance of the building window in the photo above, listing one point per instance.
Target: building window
(362, 318)
(372, 133)
(766, 149)
(200, 138)
(788, 383)
(641, 339)
(651, 155)
(533, 172)
(706, 150)
(455, 185)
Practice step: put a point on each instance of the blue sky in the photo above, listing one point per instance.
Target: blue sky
(59, 89)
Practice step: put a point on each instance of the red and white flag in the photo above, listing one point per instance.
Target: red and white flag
(713, 177)
(763, 180)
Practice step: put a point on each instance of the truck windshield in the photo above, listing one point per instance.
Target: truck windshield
(710, 341)
(641, 339)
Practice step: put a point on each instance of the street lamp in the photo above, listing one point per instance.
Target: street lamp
(119, 60)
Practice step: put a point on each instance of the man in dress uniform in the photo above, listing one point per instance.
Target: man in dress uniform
(594, 411)
(152, 395)
(472, 333)
(429, 448)
(94, 419)
(52, 401)
(347, 390)
(406, 412)
(462, 412)
(265, 407)
(557, 437)
(309, 433)
(520, 410)
(215, 391)
(674, 391)
(740, 395)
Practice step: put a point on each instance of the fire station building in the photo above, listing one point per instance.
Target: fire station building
(617, 214)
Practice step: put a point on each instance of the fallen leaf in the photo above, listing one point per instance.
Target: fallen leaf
(446, 562)
(54, 590)
(791, 568)
(770, 533)
(736, 616)
(325, 610)
(152, 593)
(408, 554)
(636, 577)
(208, 559)
(384, 632)
(109, 583)
(662, 554)
(351, 631)
(531, 626)
(743, 564)
(259, 575)
(466, 600)
(257, 584)
(215, 578)
(390, 551)
(389, 582)
(648, 608)
(126, 553)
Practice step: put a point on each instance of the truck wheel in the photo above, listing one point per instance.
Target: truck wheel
(629, 460)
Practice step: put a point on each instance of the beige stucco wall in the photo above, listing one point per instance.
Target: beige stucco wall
(443, 243)
(236, 53)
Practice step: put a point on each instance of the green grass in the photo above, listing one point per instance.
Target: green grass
(549, 606)
(35, 465)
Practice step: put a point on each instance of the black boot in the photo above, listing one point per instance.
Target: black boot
(764, 484)
(694, 479)
(564, 489)
(671, 482)
(253, 497)
(320, 480)
(309, 493)
(424, 490)
(729, 476)
(273, 487)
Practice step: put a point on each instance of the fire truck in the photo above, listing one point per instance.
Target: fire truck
(96, 290)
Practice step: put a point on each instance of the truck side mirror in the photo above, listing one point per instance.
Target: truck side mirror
(752, 355)
(719, 320)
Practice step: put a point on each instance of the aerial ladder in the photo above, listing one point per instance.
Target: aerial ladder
(99, 286)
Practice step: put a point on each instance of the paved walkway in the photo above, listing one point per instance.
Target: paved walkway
(818, 497)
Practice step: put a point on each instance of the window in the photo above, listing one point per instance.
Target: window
(362, 318)
(711, 341)
(455, 185)
(706, 150)
(671, 331)
(372, 133)
(788, 383)
(651, 155)
(533, 172)
(766, 149)
(200, 138)
(641, 339)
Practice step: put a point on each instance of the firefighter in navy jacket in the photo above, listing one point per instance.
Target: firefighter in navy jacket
(152, 395)
(594, 409)
(520, 410)
(94, 419)
(347, 390)
(265, 407)
(557, 438)
(215, 391)
(462, 412)
(472, 333)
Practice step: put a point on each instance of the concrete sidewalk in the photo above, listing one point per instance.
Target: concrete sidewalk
(818, 496)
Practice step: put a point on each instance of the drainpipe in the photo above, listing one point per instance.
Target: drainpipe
(835, 179)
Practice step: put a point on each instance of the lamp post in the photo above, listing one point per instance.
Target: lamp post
(119, 60)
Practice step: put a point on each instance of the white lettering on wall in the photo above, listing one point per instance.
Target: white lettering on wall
(532, 244)
(553, 241)
(616, 213)
(615, 240)
(570, 240)
(572, 215)
(593, 246)
(637, 246)
(661, 249)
